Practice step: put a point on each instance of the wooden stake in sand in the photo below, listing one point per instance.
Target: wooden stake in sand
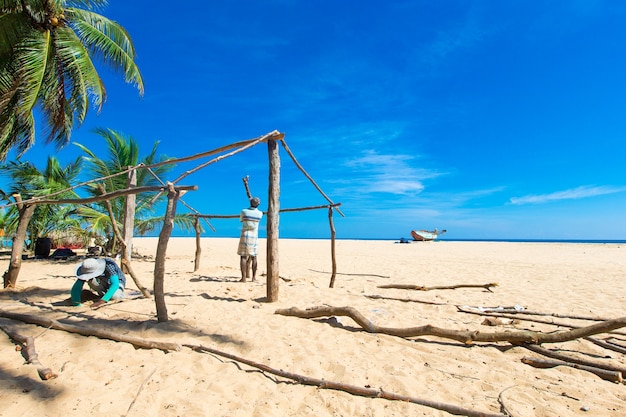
(129, 219)
(125, 259)
(173, 195)
(332, 246)
(273, 208)
(198, 230)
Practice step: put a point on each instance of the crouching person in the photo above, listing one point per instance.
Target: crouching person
(104, 277)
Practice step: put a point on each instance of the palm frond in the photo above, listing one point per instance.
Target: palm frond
(84, 81)
(88, 4)
(144, 226)
(109, 41)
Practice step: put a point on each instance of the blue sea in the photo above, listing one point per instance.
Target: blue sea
(536, 240)
(7, 243)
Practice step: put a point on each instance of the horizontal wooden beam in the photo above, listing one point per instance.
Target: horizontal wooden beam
(114, 194)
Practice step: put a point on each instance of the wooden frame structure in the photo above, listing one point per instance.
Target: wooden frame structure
(174, 193)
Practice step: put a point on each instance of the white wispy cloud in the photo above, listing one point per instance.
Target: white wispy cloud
(389, 173)
(584, 191)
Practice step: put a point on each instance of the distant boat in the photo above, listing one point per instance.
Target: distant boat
(426, 235)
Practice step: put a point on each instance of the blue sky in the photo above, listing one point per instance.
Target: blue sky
(491, 119)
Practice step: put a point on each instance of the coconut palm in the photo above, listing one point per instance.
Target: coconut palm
(47, 49)
(123, 152)
(28, 181)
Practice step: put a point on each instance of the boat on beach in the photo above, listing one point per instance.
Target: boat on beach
(426, 235)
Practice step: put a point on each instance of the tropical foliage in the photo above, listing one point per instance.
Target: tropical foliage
(47, 49)
(123, 152)
(48, 219)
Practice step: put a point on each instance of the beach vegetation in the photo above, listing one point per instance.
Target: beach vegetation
(122, 151)
(48, 50)
(48, 220)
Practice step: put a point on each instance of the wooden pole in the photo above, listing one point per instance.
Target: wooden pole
(125, 262)
(159, 263)
(129, 217)
(332, 246)
(351, 389)
(273, 207)
(306, 174)
(245, 184)
(196, 226)
(87, 328)
(26, 213)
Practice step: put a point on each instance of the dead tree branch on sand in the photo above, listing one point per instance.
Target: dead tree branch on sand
(352, 389)
(27, 346)
(440, 287)
(518, 316)
(404, 300)
(464, 336)
(613, 376)
(102, 334)
(576, 361)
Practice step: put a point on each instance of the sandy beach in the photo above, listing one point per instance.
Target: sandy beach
(211, 308)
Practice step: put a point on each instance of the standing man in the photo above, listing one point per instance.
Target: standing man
(247, 250)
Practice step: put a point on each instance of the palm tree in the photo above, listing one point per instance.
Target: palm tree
(28, 181)
(46, 52)
(123, 152)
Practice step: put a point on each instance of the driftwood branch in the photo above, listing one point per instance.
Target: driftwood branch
(275, 135)
(404, 300)
(102, 334)
(158, 164)
(38, 198)
(441, 287)
(114, 194)
(352, 389)
(27, 345)
(516, 316)
(513, 310)
(567, 358)
(217, 150)
(607, 345)
(353, 275)
(139, 390)
(283, 210)
(613, 376)
(464, 336)
(144, 291)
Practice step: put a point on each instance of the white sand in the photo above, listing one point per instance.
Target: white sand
(210, 308)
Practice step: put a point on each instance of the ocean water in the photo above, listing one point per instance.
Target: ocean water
(536, 240)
